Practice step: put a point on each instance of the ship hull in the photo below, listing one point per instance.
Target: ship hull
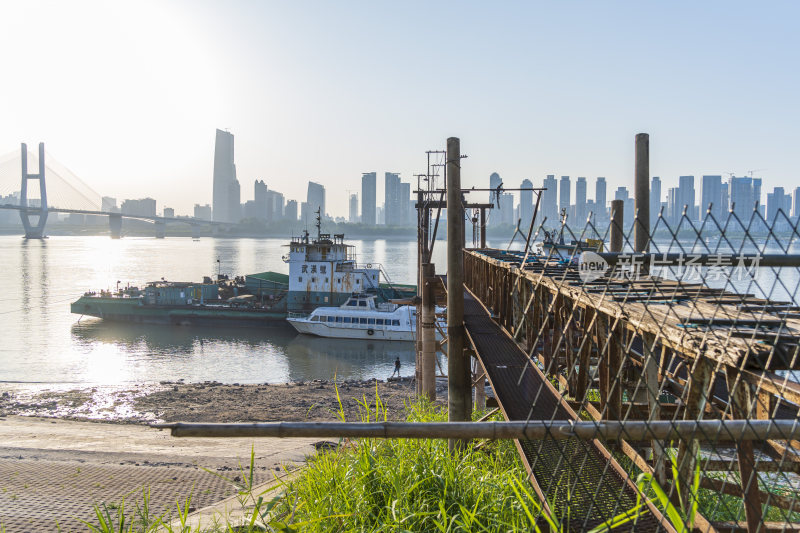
(320, 329)
(131, 310)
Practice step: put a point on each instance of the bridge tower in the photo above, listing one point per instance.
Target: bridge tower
(31, 231)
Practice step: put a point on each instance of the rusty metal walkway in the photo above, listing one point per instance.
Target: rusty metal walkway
(579, 480)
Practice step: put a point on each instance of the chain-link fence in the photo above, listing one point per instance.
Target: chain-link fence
(703, 326)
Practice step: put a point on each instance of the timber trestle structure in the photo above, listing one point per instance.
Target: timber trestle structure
(556, 347)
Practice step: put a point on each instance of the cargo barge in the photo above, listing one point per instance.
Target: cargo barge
(322, 272)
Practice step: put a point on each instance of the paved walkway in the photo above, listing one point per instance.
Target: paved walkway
(53, 472)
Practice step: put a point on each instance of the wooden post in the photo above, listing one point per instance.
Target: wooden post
(739, 398)
(459, 390)
(641, 230)
(617, 221)
(653, 391)
(585, 355)
(428, 323)
(483, 228)
(614, 375)
(604, 348)
(696, 398)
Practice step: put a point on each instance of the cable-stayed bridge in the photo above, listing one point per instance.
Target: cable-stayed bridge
(55, 189)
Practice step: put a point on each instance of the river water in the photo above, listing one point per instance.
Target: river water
(43, 344)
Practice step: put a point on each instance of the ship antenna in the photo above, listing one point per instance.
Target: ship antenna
(319, 223)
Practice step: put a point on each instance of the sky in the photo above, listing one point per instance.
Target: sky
(128, 95)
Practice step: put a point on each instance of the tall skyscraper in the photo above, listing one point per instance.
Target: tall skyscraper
(655, 200)
(778, 201)
(260, 199)
(549, 202)
(290, 213)
(742, 197)
(275, 205)
(600, 202)
(406, 216)
(392, 202)
(496, 218)
(629, 205)
(226, 200)
(712, 195)
(796, 202)
(368, 207)
(353, 218)
(687, 197)
(564, 194)
(580, 203)
(526, 203)
(506, 209)
(315, 198)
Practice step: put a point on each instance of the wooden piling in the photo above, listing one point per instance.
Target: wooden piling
(459, 400)
(617, 221)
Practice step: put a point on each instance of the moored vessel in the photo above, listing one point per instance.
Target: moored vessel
(359, 317)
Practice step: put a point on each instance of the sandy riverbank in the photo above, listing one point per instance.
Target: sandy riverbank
(210, 401)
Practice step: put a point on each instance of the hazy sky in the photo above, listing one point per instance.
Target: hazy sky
(128, 94)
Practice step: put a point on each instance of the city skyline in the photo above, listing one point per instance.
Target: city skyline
(301, 91)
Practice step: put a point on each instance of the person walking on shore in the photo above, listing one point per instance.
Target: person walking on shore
(396, 368)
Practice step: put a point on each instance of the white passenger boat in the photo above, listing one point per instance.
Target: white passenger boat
(360, 317)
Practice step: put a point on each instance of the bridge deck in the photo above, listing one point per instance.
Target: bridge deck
(581, 473)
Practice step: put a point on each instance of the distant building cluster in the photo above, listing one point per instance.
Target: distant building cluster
(717, 196)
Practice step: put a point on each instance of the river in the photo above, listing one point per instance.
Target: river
(43, 344)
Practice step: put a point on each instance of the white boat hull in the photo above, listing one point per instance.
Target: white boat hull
(322, 329)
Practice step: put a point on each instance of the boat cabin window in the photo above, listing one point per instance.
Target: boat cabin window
(347, 320)
(300, 279)
(339, 319)
(352, 303)
(379, 321)
(362, 303)
(331, 319)
(371, 321)
(314, 319)
(362, 320)
(395, 322)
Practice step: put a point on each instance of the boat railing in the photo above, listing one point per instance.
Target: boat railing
(295, 314)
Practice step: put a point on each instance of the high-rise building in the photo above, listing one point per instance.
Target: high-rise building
(778, 202)
(580, 203)
(796, 202)
(406, 205)
(169, 212)
(506, 209)
(260, 200)
(392, 203)
(353, 218)
(275, 205)
(628, 205)
(202, 212)
(315, 198)
(549, 202)
(497, 215)
(686, 196)
(108, 204)
(290, 213)
(144, 206)
(600, 200)
(743, 196)
(226, 195)
(726, 198)
(368, 198)
(526, 203)
(712, 195)
(564, 194)
(655, 200)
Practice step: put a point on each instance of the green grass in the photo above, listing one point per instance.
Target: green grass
(408, 484)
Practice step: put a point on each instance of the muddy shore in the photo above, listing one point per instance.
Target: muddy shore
(214, 402)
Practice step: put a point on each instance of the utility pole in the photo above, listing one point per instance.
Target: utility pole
(459, 401)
